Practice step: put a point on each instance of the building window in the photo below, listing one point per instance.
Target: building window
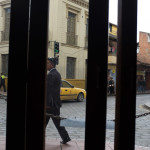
(71, 29)
(148, 37)
(86, 36)
(5, 33)
(71, 63)
(5, 64)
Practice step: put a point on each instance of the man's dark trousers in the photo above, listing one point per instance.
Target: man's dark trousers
(62, 131)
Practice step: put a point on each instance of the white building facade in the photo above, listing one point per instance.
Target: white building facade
(4, 34)
(68, 25)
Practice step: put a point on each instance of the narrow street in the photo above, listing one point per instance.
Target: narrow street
(72, 109)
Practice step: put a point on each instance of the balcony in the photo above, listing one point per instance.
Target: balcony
(71, 39)
(112, 59)
(113, 32)
(113, 35)
(112, 49)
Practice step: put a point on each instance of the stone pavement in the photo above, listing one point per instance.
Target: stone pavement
(148, 104)
(78, 143)
(142, 134)
(3, 94)
(53, 144)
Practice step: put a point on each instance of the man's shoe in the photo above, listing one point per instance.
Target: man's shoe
(65, 141)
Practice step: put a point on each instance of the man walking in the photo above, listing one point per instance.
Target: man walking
(53, 102)
(111, 86)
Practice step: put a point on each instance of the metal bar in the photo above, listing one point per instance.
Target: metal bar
(17, 70)
(97, 75)
(37, 59)
(126, 75)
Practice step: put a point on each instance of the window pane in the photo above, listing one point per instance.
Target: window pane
(71, 63)
(65, 84)
(5, 36)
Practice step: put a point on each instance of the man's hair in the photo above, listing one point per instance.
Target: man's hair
(52, 60)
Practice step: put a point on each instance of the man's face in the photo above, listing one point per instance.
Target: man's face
(49, 65)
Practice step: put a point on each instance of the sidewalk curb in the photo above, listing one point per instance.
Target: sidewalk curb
(136, 94)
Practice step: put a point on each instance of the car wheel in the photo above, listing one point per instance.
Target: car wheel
(80, 97)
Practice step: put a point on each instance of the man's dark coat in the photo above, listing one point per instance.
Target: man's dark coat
(53, 88)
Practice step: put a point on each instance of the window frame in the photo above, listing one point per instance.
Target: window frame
(74, 71)
(124, 135)
(77, 11)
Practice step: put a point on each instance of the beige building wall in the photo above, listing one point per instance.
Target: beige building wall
(58, 16)
(4, 45)
(58, 30)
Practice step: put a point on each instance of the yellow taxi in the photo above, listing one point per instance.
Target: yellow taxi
(69, 92)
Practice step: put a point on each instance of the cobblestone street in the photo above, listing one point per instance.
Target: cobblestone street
(72, 109)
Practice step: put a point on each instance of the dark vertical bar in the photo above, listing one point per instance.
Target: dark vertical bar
(126, 75)
(97, 75)
(17, 70)
(37, 58)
